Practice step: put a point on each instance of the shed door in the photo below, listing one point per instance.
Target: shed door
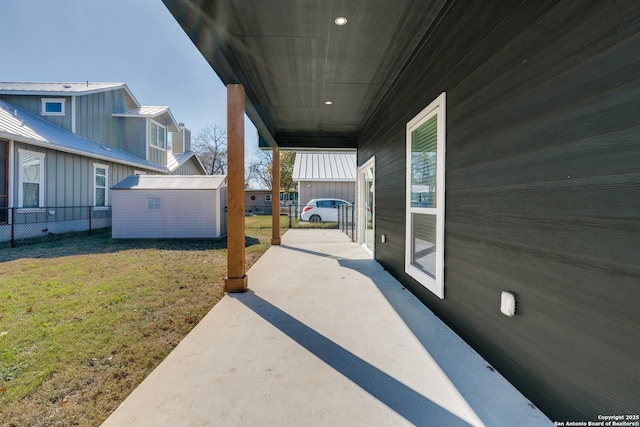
(223, 211)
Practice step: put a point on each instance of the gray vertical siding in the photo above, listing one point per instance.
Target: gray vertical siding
(157, 156)
(132, 135)
(69, 177)
(542, 194)
(33, 104)
(188, 168)
(95, 121)
(94, 118)
(326, 189)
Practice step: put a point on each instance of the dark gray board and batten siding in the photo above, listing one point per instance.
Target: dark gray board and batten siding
(542, 192)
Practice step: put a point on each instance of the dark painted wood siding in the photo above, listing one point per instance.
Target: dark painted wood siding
(542, 192)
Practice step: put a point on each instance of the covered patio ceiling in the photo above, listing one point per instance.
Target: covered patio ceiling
(309, 82)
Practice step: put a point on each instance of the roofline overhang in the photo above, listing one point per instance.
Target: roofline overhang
(166, 110)
(48, 145)
(313, 141)
(213, 49)
(72, 92)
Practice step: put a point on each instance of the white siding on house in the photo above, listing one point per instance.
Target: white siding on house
(183, 213)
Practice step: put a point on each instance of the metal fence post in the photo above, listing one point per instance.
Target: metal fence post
(353, 223)
(13, 225)
(290, 215)
(89, 211)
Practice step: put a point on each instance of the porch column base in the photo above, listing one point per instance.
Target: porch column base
(236, 284)
(275, 241)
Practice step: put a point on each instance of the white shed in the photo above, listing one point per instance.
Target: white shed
(169, 206)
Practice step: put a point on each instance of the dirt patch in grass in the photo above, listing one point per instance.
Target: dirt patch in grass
(84, 320)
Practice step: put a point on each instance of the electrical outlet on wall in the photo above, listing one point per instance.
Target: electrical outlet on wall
(508, 304)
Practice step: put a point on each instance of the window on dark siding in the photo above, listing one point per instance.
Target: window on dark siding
(424, 256)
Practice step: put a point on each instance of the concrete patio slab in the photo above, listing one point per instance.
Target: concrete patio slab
(323, 337)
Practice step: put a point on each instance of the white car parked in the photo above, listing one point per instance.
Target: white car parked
(322, 210)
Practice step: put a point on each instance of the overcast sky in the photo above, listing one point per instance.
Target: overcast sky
(137, 42)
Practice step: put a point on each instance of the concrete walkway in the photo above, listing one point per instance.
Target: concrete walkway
(324, 337)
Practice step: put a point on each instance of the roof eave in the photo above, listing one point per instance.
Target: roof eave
(52, 146)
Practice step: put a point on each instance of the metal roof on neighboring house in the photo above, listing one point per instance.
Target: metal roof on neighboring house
(325, 167)
(144, 111)
(174, 161)
(171, 182)
(148, 111)
(60, 88)
(20, 125)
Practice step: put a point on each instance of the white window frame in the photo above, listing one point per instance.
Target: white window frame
(46, 101)
(106, 186)
(361, 220)
(437, 107)
(158, 127)
(41, 156)
(267, 198)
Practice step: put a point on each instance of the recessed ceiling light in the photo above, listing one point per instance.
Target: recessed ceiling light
(341, 20)
(328, 102)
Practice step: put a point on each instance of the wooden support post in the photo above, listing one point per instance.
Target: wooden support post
(237, 279)
(275, 198)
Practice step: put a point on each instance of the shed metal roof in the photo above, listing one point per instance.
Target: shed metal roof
(325, 167)
(171, 182)
(20, 125)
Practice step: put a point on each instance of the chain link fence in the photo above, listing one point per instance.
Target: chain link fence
(20, 226)
(292, 212)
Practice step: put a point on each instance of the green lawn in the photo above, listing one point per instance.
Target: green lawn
(83, 320)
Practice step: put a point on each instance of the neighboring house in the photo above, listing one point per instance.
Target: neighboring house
(176, 206)
(527, 109)
(325, 175)
(65, 144)
(257, 200)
